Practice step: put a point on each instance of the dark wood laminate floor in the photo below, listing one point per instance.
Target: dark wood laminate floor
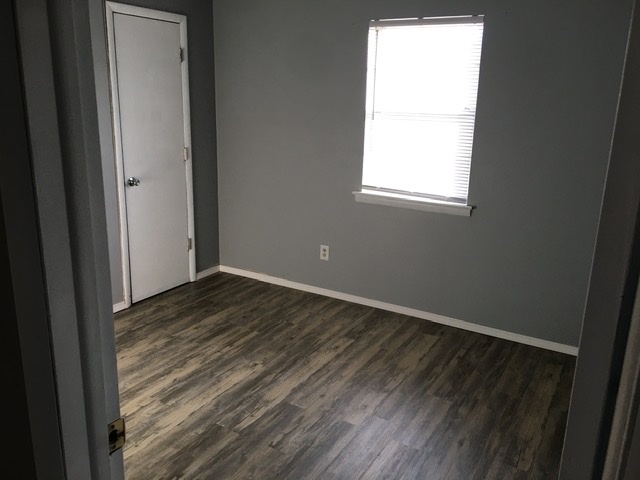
(233, 378)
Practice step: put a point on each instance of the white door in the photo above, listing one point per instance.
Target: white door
(148, 73)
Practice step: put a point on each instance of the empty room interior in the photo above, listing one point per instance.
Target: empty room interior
(338, 239)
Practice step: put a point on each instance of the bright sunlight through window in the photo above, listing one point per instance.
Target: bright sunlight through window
(422, 84)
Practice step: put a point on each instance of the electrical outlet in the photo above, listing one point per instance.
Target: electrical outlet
(324, 252)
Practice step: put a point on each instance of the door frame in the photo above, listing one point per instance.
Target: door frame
(111, 9)
(57, 54)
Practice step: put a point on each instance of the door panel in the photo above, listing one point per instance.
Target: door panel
(149, 75)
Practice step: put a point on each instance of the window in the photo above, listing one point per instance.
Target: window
(422, 83)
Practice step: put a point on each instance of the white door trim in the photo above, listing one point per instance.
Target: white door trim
(111, 9)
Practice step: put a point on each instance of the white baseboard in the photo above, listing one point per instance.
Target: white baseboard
(117, 307)
(207, 272)
(433, 317)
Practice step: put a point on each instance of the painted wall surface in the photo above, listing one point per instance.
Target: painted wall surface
(203, 127)
(290, 98)
(600, 377)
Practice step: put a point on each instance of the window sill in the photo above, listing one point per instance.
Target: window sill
(414, 203)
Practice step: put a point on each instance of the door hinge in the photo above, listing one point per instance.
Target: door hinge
(181, 55)
(117, 434)
(185, 153)
(189, 244)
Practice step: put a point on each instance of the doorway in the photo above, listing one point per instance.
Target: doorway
(152, 139)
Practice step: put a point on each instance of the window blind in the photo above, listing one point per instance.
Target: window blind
(422, 84)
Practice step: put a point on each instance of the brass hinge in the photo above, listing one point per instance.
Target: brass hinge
(185, 153)
(117, 435)
(190, 244)
(181, 55)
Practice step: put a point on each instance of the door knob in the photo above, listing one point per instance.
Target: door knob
(133, 182)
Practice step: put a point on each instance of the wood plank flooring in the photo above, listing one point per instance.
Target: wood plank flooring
(231, 378)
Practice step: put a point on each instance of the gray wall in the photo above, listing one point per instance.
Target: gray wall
(203, 127)
(290, 92)
(612, 291)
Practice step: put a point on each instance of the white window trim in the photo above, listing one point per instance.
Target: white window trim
(404, 22)
(377, 197)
